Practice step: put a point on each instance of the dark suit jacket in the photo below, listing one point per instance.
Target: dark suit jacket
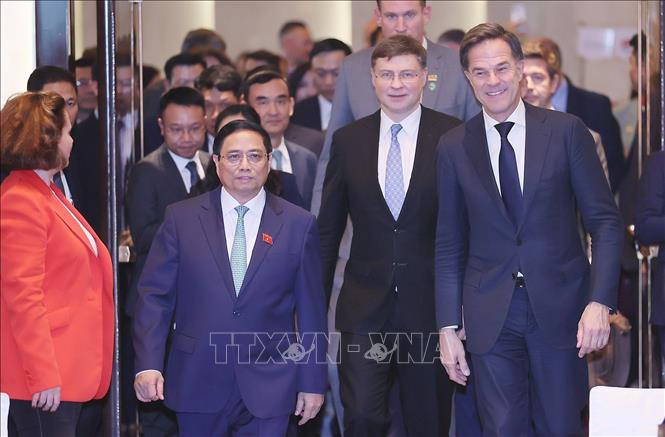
(188, 276)
(595, 110)
(384, 252)
(307, 113)
(154, 184)
(478, 248)
(308, 138)
(650, 227)
(303, 162)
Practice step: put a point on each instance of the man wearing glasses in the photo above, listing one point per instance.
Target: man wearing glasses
(238, 270)
(382, 173)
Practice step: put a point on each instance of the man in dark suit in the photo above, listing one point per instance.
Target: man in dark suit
(650, 230)
(237, 269)
(382, 173)
(326, 59)
(163, 177)
(595, 110)
(446, 91)
(268, 93)
(511, 181)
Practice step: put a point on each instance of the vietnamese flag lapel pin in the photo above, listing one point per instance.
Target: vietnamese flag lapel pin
(267, 238)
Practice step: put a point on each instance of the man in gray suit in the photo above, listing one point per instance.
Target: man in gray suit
(446, 89)
(268, 93)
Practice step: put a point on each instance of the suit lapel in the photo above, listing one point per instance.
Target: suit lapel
(212, 222)
(475, 145)
(424, 144)
(371, 136)
(432, 87)
(63, 211)
(537, 142)
(271, 224)
(175, 180)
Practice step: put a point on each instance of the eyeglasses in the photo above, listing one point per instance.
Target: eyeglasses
(404, 76)
(178, 131)
(235, 158)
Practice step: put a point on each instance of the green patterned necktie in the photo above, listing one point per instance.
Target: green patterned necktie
(239, 249)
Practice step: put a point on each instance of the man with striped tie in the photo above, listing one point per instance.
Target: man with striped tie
(237, 270)
(382, 173)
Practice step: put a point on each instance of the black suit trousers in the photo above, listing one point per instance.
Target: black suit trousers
(369, 364)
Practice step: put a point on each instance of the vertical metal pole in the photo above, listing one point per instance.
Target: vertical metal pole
(640, 278)
(106, 55)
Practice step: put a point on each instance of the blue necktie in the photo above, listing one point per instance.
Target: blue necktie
(277, 159)
(394, 189)
(193, 174)
(508, 176)
(57, 180)
(239, 250)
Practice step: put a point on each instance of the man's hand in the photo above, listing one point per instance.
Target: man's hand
(149, 386)
(593, 329)
(48, 400)
(452, 356)
(308, 406)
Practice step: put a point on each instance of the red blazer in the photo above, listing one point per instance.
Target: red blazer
(57, 312)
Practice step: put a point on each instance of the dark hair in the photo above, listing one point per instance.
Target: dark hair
(329, 45)
(204, 51)
(270, 59)
(244, 110)
(540, 48)
(296, 77)
(203, 37)
(183, 96)
(422, 3)
(46, 74)
(220, 77)
(451, 35)
(261, 76)
(237, 126)
(149, 74)
(289, 26)
(398, 45)
(634, 42)
(85, 63)
(182, 59)
(484, 32)
(31, 125)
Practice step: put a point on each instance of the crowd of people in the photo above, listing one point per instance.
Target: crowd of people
(327, 242)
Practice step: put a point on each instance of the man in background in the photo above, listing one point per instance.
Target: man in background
(326, 60)
(296, 43)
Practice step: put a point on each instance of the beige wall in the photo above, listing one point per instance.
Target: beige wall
(17, 55)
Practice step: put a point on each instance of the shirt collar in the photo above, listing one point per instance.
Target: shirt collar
(323, 102)
(282, 146)
(425, 43)
(229, 203)
(181, 162)
(409, 124)
(518, 117)
(560, 97)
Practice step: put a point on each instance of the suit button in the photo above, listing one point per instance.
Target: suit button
(519, 241)
(395, 230)
(236, 313)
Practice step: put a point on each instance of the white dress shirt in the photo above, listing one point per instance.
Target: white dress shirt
(211, 141)
(325, 108)
(407, 137)
(516, 136)
(93, 245)
(252, 219)
(186, 176)
(286, 158)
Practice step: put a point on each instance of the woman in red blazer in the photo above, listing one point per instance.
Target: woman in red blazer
(57, 311)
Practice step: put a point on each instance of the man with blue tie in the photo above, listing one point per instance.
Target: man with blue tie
(382, 173)
(236, 273)
(511, 181)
